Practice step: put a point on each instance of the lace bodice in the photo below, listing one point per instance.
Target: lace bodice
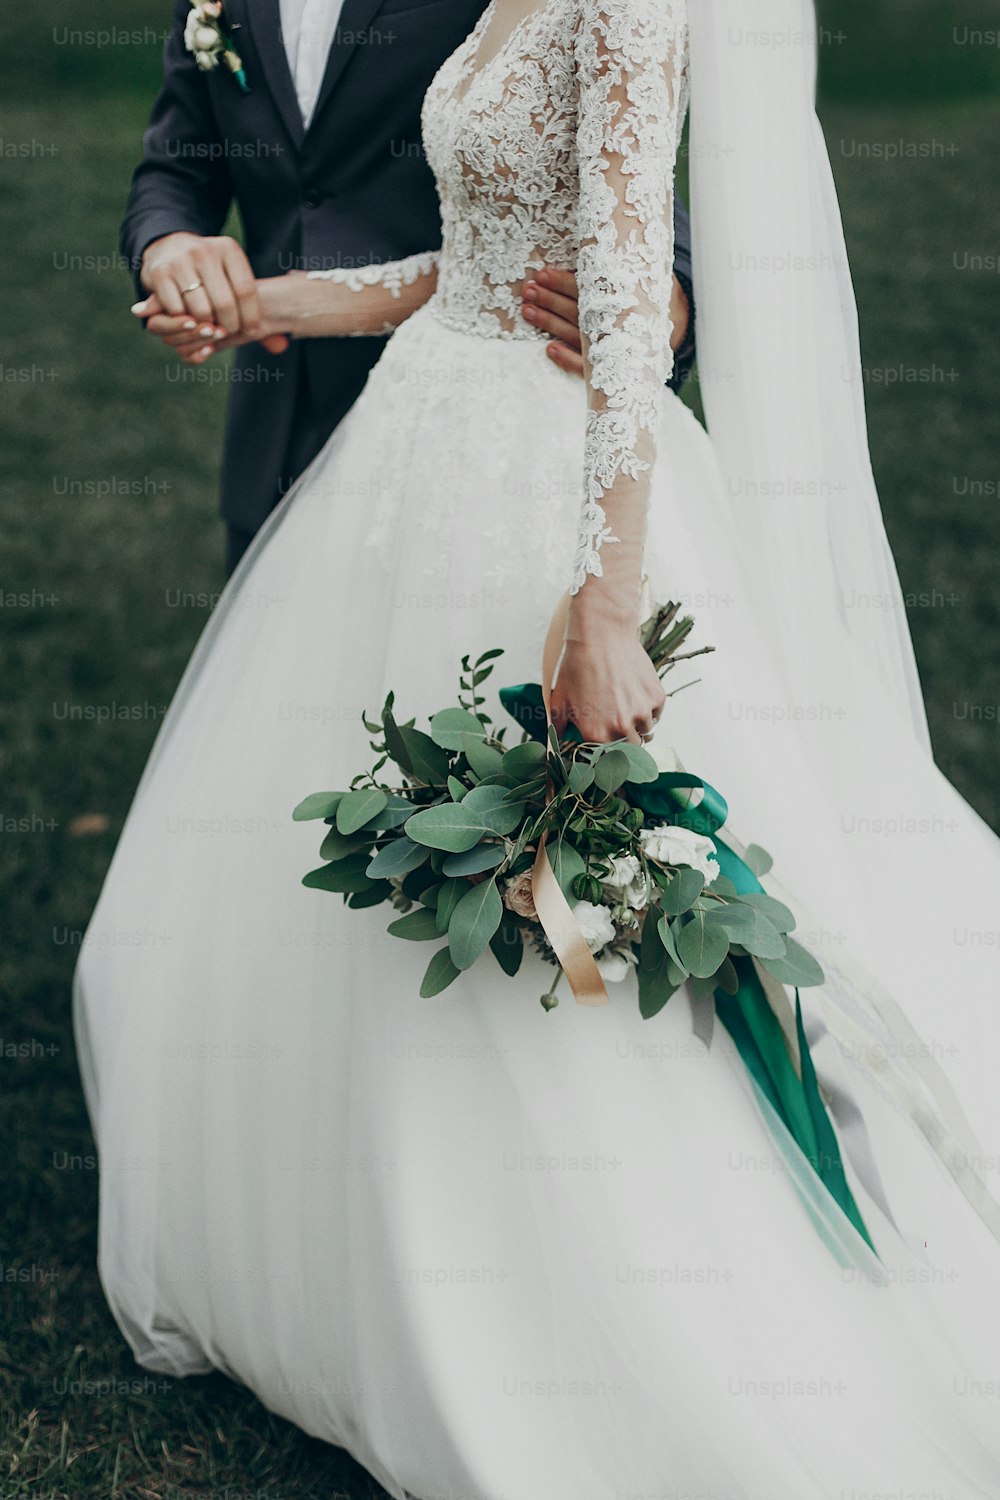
(559, 149)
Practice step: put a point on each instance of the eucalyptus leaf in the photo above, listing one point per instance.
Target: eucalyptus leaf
(394, 741)
(472, 861)
(378, 891)
(473, 922)
(339, 846)
(494, 806)
(453, 826)
(358, 808)
(611, 769)
(507, 944)
(343, 876)
(456, 789)
(417, 926)
(450, 894)
(702, 948)
(686, 885)
(484, 759)
(397, 858)
(417, 881)
(641, 765)
(395, 812)
(744, 924)
(758, 859)
(798, 967)
(440, 973)
(726, 978)
(317, 805)
(430, 763)
(581, 776)
(775, 911)
(523, 761)
(450, 725)
(668, 937)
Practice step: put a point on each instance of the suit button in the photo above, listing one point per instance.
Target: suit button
(312, 198)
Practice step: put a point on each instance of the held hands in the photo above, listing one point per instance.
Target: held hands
(204, 297)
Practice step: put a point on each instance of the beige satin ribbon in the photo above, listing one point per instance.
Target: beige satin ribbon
(554, 912)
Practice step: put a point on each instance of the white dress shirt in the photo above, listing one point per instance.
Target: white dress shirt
(307, 28)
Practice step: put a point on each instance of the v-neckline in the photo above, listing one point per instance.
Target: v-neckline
(468, 73)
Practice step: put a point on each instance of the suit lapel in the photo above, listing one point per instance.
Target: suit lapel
(355, 18)
(264, 19)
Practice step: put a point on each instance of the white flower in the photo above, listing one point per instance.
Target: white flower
(517, 896)
(627, 879)
(615, 964)
(681, 846)
(202, 37)
(595, 923)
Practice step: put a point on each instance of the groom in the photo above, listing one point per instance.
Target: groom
(321, 152)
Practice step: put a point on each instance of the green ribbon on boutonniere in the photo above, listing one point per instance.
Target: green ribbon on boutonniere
(747, 1011)
(208, 36)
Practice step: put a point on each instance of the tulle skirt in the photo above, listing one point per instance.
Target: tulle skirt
(501, 1253)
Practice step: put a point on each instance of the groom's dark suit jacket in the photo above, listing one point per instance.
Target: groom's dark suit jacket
(352, 189)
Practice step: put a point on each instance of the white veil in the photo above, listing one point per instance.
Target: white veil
(778, 350)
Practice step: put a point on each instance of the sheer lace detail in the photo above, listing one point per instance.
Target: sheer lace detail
(392, 275)
(560, 151)
(631, 73)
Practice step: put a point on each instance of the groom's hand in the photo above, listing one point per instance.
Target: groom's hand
(195, 341)
(205, 279)
(550, 303)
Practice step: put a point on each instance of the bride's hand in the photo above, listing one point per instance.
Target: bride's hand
(608, 687)
(196, 341)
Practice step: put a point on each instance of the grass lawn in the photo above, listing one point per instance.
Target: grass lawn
(108, 468)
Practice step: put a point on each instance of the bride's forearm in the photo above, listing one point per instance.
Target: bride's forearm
(339, 304)
(608, 602)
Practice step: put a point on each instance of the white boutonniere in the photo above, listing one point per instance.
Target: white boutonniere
(208, 37)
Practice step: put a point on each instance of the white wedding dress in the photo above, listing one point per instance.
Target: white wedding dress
(499, 1253)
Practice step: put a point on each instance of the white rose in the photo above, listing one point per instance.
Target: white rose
(595, 923)
(627, 881)
(206, 38)
(681, 846)
(615, 964)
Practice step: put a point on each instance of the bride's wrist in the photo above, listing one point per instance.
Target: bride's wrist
(606, 605)
(596, 614)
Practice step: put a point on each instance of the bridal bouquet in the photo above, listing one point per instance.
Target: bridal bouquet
(450, 837)
(601, 858)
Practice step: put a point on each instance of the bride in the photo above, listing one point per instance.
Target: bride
(495, 1252)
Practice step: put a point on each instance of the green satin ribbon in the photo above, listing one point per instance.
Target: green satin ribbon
(748, 1015)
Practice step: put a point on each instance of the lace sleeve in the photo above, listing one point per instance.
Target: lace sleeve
(631, 69)
(386, 294)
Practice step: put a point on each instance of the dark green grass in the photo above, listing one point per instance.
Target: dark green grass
(99, 626)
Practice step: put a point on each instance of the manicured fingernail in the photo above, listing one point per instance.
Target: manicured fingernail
(219, 334)
(189, 324)
(207, 332)
(138, 307)
(530, 290)
(206, 351)
(529, 312)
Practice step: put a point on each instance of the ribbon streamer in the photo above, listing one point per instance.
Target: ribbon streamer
(554, 912)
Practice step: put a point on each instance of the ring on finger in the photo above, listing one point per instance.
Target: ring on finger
(192, 288)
